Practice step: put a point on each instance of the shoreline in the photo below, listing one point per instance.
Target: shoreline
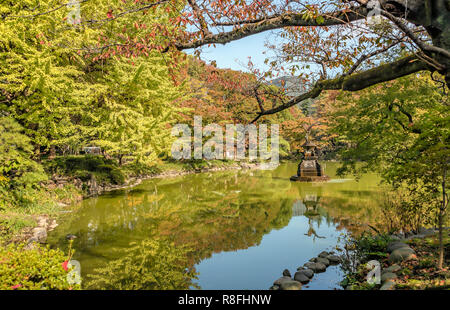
(171, 173)
(47, 222)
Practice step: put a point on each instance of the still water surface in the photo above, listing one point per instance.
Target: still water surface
(242, 228)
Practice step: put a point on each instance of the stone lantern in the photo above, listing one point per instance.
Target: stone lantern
(309, 169)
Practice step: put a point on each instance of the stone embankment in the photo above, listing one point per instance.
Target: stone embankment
(399, 251)
(306, 272)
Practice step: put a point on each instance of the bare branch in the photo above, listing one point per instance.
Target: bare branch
(422, 45)
(367, 56)
(197, 13)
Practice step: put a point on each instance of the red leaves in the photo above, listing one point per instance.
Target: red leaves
(15, 287)
(109, 14)
(64, 265)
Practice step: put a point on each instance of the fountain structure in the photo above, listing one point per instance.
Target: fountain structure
(309, 169)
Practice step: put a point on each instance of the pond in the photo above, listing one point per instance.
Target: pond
(234, 229)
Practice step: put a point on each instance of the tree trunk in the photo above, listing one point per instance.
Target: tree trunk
(52, 152)
(441, 220)
(441, 241)
(37, 153)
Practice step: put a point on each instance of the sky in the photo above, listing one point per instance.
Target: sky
(234, 55)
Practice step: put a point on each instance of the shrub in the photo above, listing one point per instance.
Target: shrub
(137, 168)
(35, 269)
(70, 164)
(19, 174)
(408, 208)
(117, 176)
(86, 166)
(83, 175)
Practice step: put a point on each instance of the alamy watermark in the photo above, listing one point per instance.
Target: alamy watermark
(374, 275)
(236, 147)
(74, 15)
(74, 275)
(375, 11)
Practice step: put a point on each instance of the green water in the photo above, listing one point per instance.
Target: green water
(242, 228)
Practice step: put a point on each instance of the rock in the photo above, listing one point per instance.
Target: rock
(426, 231)
(388, 285)
(316, 267)
(388, 276)
(274, 288)
(291, 286)
(393, 268)
(323, 254)
(418, 236)
(282, 280)
(42, 221)
(402, 254)
(400, 235)
(307, 272)
(93, 187)
(395, 237)
(39, 235)
(323, 260)
(320, 267)
(395, 245)
(301, 277)
(334, 259)
(53, 225)
(287, 273)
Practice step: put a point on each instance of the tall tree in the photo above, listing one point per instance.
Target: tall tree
(348, 42)
(51, 81)
(401, 130)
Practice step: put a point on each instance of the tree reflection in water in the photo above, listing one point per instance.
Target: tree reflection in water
(195, 217)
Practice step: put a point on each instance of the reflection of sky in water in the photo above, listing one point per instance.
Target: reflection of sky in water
(259, 266)
(339, 180)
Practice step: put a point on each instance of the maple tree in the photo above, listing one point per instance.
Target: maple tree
(399, 129)
(225, 96)
(335, 40)
(335, 45)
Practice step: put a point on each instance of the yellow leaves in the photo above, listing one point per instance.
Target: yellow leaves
(3, 180)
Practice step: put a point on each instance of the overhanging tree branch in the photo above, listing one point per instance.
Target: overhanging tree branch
(276, 22)
(357, 81)
(422, 45)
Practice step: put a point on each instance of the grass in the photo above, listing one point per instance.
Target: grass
(19, 218)
(11, 224)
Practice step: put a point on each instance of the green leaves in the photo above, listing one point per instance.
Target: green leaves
(36, 269)
(400, 129)
(15, 152)
(320, 19)
(147, 265)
